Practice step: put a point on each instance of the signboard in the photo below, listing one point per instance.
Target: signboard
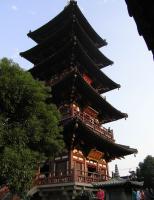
(95, 155)
(87, 79)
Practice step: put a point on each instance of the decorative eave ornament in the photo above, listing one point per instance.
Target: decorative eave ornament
(71, 1)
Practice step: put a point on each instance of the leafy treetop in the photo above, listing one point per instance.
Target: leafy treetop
(145, 172)
(29, 127)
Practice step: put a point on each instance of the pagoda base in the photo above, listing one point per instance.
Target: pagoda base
(64, 191)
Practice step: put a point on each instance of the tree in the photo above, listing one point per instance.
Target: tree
(145, 171)
(29, 126)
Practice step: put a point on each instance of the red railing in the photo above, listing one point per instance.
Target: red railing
(90, 122)
(68, 177)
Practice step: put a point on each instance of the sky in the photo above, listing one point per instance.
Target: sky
(133, 65)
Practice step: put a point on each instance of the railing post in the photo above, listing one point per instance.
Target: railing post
(74, 175)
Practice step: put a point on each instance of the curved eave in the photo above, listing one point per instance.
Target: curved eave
(143, 16)
(54, 63)
(92, 33)
(43, 69)
(111, 149)
(98, 75)
(49, 44)
(146, 30)
(112, 114)
(43, 30)
(72, 9)
(88, 95)
(118, 182)
(99, 58)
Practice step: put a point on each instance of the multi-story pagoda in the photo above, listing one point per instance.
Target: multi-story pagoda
(67, 58)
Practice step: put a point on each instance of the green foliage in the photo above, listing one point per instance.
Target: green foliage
(145, 171)
(18, 165)
(29, 127)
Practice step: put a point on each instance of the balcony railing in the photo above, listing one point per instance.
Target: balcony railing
(68, 177)
(89, 121)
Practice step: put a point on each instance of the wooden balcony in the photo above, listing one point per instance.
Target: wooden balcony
(89, 121)
(69, 177)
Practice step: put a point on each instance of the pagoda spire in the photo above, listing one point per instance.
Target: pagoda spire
(71, 1)
(116, 174)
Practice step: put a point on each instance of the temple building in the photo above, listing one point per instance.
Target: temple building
(67, 58)
(119, 188)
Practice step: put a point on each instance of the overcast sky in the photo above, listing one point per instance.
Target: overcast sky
(133, 65)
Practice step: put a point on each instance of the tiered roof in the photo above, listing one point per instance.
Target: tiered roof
(73, 45)
(117, 182)
(88, 139)
(72, 12)
(84, 95)
(59, 39)
(67, 51)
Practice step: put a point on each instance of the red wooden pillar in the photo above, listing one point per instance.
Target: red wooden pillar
(71, 167)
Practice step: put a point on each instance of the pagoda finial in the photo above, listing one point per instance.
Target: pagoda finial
(71, 1)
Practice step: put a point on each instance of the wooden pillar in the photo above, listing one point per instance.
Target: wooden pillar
(98, 171)
(107, 170)
(71, 170)
(71, 159)
(67, 167)
(85, 169)
(54, 167)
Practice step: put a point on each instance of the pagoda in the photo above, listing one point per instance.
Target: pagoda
(67, 58)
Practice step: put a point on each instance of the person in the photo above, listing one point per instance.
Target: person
(142, 194)
(138, 195)
(147, 194)
(151, 192)
(134, 194)
(100, 194)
